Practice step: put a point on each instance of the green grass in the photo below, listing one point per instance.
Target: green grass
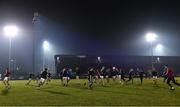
(77, 94)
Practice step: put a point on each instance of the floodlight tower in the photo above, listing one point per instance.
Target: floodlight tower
(45, 48)
(151, 37)
(34, 21)
(10, 31)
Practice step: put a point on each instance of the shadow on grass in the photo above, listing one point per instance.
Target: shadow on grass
(43, 88)
(144, 87)
(53, 92)
(120, 93)
(84, 86)
(4, 92)
(78, 86)
(32, 85)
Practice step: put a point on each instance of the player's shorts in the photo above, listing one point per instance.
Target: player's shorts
(65, 78)
(77, 77)
(155, 77)
(42, 80)
(101, 77)
(114, 77)
(107, 76)
(30, 78)
(119, 76)
(68, 78)
(6, 78)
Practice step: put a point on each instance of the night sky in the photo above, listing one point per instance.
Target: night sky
(93, 27)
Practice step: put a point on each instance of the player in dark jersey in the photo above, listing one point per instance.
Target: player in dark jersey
(170, 77)
(65, 77)
(122, 76)
(154, 74)
(114, 73)
(91, 73)
(31, 75)
(69, 75)
(6, 78)
(131, 71)
(43, 77)
(141, 74)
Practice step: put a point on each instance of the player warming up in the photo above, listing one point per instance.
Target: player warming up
(170, 77)
(154, 74)
(90, 77)
(6, 78)
(30, 78)
(43, 77)
(130, 75)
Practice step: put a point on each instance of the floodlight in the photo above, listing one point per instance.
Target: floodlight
(45, 45)
(10, 31)
(150, 37)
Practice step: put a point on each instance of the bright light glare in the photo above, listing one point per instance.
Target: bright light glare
(45, 45)
(159, 47)
(158, 59)
(10, 31)
(150, 37)
(99, 58)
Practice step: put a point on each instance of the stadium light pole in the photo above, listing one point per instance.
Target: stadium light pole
(10, 31)
(151, 37)
(45, 48)
(34, 21)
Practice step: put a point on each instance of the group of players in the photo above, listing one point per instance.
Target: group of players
(114, 73)
(45, 76)
(97, 75)
(102, 74)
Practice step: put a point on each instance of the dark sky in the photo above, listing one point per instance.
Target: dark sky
(100, 27)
